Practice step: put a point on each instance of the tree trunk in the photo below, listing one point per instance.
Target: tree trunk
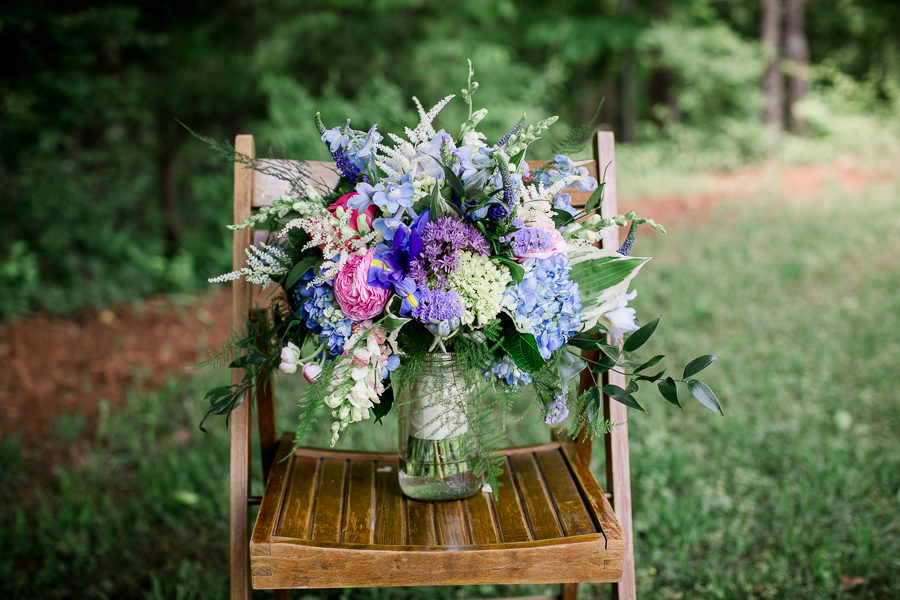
(773, 81)
(796, 51)
(629, 82)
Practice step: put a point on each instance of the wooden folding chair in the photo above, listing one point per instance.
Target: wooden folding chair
(334, 519)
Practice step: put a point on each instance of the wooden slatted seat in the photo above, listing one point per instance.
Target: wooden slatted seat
(338, 519)
(330, 519)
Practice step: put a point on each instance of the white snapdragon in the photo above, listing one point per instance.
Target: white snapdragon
(358, 383)
(290, 357)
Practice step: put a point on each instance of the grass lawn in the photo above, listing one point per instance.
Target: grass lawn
(790, 494)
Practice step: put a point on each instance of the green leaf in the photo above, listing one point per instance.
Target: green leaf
(603, 277)
(298, 270)
(561, 218)
(637, 339)
(668, 390)
(521, 347)
(653, 361)
(593, 405)
(455, 184)
(516, 271)
(620, 395)
(381, 409)
(477, 182)
(605, 364)
(698, 364)
(439, 206)
(517, 159)
(594, 199)
(704, 395)
(650, 378)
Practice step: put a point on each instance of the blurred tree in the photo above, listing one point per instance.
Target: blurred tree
(774, 80)
(796, 52)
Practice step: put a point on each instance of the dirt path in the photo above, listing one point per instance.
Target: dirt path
(69, 366)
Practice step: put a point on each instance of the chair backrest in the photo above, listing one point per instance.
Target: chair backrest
(253, 190)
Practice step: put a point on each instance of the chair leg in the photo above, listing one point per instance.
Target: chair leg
(281, 594)
(569, 591)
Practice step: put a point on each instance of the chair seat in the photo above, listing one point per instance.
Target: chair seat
(332, 519)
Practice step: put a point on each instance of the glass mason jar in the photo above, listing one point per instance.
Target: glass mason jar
(435, 449)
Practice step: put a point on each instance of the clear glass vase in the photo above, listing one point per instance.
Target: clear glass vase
(435, 447)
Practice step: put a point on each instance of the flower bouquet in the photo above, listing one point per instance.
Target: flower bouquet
(442, 265)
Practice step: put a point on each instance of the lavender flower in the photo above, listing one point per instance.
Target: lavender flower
(443, 240)
(528, 240)
(557, 411)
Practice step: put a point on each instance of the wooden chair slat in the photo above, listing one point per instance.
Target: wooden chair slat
(301, 486)
(389, 524)
(570, 507)
(359, 520)
(538, 506)
(420, 523)
(482, 522)
(451, 523)
(329, 501)
(508, 510)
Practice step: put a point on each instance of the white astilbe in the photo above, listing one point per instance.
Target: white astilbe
(402, 158)
(264, 265)
(537, 200)
(396, 161)
(334, 236)
(424, 131)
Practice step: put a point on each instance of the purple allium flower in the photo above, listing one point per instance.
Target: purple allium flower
(557, 411)
(436, 305)
(442, 242)
(528, 240)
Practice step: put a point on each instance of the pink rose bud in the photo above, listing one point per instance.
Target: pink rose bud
(311, 372)
(357, 299)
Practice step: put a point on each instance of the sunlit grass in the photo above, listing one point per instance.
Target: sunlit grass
(797, 485)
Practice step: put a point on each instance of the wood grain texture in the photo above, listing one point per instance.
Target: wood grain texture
(544, 512)
(618, 474)
(240, 418)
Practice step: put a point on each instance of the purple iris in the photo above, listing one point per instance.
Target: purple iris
(391, 263)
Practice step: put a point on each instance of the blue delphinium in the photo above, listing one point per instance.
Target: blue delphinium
(546, 302)
(357, 147)
(319, 310)
(506, 370)
(562, 167)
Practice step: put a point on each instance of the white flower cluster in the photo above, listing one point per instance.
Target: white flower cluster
(265, 263)
(537, 200)
(357, 381)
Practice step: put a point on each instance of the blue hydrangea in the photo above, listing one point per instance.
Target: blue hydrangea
(562, 167)
(546, 302)
(506, 370)
(319, 310)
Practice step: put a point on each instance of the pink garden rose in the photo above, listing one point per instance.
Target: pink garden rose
(368, 214)
(357, 299)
